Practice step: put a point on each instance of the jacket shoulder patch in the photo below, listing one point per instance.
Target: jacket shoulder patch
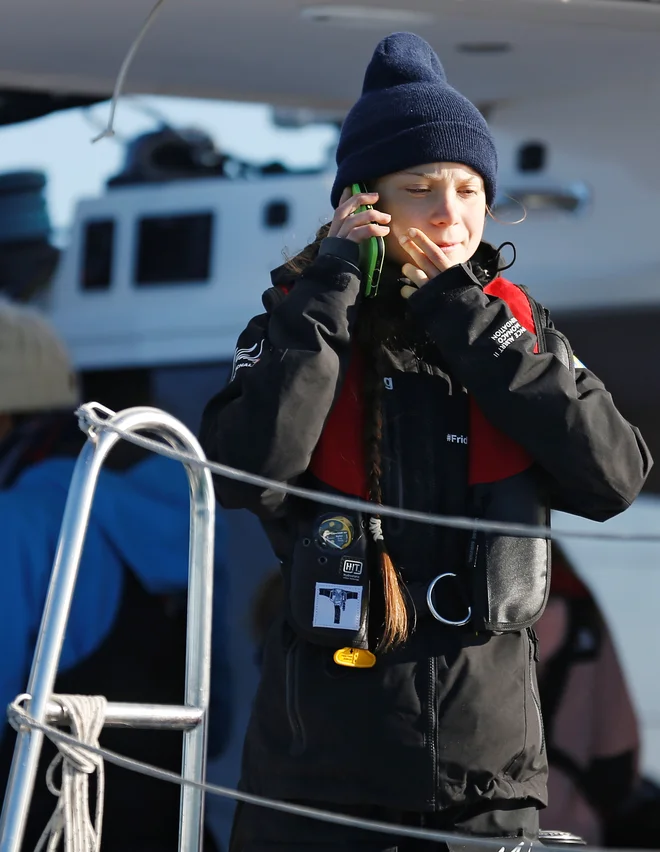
(247, 357)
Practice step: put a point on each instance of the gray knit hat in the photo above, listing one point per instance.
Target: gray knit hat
(35, 370)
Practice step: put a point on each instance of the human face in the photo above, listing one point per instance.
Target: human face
(447, 201)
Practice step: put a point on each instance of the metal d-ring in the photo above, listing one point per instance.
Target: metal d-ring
(434, 612)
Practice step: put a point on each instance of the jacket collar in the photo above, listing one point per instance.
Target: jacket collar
(485, 263)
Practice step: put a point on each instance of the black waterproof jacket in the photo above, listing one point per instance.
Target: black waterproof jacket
(451, 718)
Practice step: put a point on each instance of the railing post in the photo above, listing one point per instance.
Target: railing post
(58, 604)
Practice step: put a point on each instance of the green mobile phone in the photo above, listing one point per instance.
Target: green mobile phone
(372, 253)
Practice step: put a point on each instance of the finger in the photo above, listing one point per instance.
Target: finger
(364, 218)
(364, 198)
(407, 291)
(434, 253)
(416, 275)
(348, 208)
(358, 235)
(421, 261)
(351, 204)
(346, 194)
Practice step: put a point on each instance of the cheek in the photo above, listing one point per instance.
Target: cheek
(393, 249)
(402, 217)
(476, 226)
(401, 222)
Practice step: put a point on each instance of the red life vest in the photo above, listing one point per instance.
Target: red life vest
(338, 459)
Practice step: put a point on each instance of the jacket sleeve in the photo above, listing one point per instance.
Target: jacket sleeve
(287, 372)
(595, 460)
(19, 603)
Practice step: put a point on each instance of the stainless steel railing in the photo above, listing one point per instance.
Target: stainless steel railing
(191, 718)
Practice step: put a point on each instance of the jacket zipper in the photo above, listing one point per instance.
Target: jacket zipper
(291, 686)
(473, 552)
(432, 731)
(537, 703)
(538, 322)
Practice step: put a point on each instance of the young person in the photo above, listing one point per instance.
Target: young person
(399, 681)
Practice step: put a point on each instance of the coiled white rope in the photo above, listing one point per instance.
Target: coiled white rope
(71, 821)
(19, 718)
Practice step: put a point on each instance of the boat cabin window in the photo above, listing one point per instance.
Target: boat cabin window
(276, 214)
(174, 249)
(98, 243)
(532, 157)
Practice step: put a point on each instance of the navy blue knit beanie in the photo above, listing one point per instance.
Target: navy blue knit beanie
(408, 115)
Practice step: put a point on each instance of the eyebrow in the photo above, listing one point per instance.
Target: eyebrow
(434, 175)
(427, 175)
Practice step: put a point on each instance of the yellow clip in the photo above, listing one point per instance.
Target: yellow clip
(357, 658)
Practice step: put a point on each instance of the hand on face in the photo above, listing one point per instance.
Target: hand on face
(438, 215)
(428, 260)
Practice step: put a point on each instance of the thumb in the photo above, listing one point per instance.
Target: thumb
(407, 290)
(414, 274)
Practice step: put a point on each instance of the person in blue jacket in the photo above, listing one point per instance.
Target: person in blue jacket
(126, 632)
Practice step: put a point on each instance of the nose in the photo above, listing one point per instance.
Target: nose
(445, 209)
